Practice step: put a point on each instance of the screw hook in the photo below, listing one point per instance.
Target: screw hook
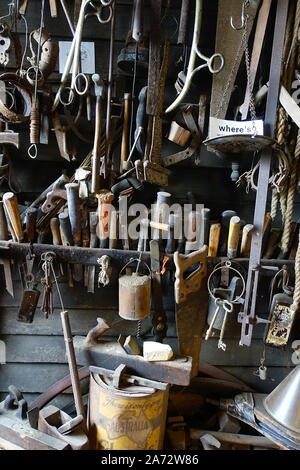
(243, 19)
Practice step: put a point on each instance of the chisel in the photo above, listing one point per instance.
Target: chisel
(31, 217)
(75, 221)
(225, 221)
(246, 240)
(93, 244)
(214, 237)
(66, 238)
(12, 210)
(233, 237)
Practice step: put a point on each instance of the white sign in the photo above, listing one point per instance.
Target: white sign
(221, 127)
(87, 56)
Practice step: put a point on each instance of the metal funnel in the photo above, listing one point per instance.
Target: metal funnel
(283, 404)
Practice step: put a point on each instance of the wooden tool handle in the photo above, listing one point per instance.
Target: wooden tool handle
(193, 282)
(113, 230)
(3, 224)
(74, 211)
(65, 228)
(12, 209)
(246, 240)
(233, 237)
(205, 216)
(124, 145)
(96, 159)
(93, 228)
(53, 8)
(214, 237)
(31, 217)
(55, 226)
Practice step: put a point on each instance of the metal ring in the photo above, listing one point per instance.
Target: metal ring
(34, 148)
(71, 96)
(35, 69)
(211, 60)
(12, 99)
(228, 266)
(78, 91)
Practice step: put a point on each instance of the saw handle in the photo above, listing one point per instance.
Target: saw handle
(12, 209)
(192, 283)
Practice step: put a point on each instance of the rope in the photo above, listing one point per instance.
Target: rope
(274, 203)
(296, 296)
(290, 199)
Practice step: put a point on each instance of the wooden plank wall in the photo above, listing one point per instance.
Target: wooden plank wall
(35, 352)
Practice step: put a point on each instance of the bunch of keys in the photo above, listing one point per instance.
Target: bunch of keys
(225, 304)
(228, 307)
(31, 293)
(46, 281)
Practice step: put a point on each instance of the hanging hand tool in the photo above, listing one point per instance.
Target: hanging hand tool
(154, 56)
(191, 303)
(96, 159)
(46, 281)
(209, 61)
(12, 210)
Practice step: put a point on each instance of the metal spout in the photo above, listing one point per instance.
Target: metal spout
(283, 404)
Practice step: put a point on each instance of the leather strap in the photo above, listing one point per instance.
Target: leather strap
(26, 91)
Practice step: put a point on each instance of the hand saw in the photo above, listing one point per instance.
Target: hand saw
(191, 298)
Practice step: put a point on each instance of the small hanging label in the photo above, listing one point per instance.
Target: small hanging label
(222, 127)
(87, 53)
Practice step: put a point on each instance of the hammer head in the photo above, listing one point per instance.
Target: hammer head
(99, 85)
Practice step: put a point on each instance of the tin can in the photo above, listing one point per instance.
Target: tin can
(135, 295)
(129, 419)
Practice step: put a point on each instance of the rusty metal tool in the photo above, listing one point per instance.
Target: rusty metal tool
(31, 294)
(137, 26)
(154, 172)
(154, 56)
(191, 303)
(96, 158)
(57, 192)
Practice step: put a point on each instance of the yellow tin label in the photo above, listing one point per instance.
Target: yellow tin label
(129, 423)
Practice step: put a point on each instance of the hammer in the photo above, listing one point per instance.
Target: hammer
(96, 160)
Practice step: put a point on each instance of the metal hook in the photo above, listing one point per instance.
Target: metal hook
(243, 18)
(32, 151)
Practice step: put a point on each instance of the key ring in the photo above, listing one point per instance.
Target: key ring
(229, 266)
